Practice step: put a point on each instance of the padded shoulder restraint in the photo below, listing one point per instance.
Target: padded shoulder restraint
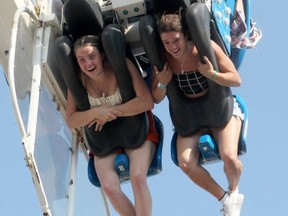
(212, 110)
(83, 17)
(170, 6)
(124, 132)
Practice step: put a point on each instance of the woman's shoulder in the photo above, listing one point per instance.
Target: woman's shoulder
(215, 46)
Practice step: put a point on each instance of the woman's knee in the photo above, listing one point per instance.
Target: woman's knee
(187, 166)
(110, 188)
(231, 160)
(138, 179)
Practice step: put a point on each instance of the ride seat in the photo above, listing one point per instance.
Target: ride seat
(85, 17)
(209, 152)
(121, 162)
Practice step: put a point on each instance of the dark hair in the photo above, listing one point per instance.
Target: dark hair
(171, 22)
(89, 40)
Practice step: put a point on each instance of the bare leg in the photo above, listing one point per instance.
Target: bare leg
(240, 7)
(110, 184)
(188, 154)
(227, 139)
(140, 160)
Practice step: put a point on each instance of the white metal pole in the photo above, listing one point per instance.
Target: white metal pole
(28, 138)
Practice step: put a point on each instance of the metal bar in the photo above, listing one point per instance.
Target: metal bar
(11, 62)
(28, 138)
(73, 173)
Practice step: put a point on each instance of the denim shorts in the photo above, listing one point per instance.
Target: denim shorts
(237, 110)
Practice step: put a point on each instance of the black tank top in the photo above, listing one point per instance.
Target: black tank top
(192, 82)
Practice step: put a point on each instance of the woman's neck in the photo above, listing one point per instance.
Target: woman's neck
(187, 52)
(186, 61)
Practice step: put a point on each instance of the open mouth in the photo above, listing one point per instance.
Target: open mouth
(91, 69)
(176, 50)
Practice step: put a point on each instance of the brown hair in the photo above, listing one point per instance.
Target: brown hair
(170, 23)
(89, 40)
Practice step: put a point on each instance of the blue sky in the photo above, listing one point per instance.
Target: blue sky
(264, 73)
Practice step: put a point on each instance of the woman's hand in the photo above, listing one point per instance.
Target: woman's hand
(165, 75)
(206, 69)
(106, 113)
(227, 74)
(102, 115)
(98, 124)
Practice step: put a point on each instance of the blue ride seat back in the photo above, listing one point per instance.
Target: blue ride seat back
(209, 149)
(223, 13)
(209, 152)
(121, 162)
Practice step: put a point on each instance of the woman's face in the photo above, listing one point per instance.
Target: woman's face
(90, 60)
(174, 43)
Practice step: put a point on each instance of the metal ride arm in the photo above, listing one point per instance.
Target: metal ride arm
(28, 138)
(40, 46)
